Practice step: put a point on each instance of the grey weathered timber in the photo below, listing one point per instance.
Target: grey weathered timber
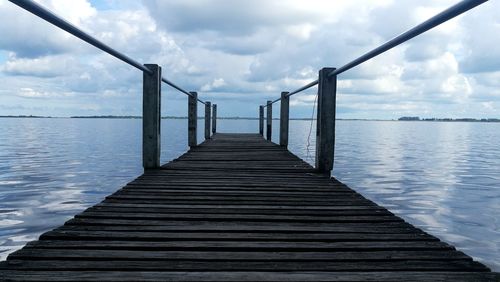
(269, 120)
(192, 119)
(151, 117)
(325, 122)
(247, 275)
(214, 118)
(239, 208)
(284, 119)
(208, 118)
(261, 120)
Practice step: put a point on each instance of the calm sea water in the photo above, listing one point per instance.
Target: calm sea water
(442, 177)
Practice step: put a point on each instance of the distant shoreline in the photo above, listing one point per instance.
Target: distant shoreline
(403, 119)
(449, 119)
(24, 116)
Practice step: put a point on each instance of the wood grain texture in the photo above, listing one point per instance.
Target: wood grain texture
(239, 208)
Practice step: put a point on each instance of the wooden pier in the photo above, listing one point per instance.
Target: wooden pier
(239, 208)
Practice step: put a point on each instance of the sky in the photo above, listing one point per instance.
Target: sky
(238, 54)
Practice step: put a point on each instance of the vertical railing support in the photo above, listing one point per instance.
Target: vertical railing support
(261, 120)
(208, 119)
(325, 123)
(192, 119)
(284, 118)
(269, 120)
(214, 118)
(151, 117)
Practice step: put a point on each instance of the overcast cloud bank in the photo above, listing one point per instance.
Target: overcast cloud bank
(240, 53)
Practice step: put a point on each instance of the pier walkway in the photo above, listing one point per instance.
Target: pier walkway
(239, 208)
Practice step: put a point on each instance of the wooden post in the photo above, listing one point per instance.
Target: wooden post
(269, 120)
(192, 119)
(284, 119)
(151, 117)
(214, 118)
(325, 123)
(261, 120)
(208, 118)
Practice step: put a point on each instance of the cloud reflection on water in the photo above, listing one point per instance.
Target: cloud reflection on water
(443, 177)
(439, 176)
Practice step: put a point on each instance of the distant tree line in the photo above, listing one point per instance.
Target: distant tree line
(449, 119)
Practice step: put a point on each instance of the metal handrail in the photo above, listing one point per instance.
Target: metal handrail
(307, 86)
(274, 101)
(436, 20)
(168, 82)
(52, 18)
(175, 86)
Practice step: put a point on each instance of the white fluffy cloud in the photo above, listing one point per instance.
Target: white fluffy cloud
(46, 66)
(241, 53)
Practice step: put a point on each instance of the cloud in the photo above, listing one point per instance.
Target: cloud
(48, 66)
(479, 42)
(217, 83)
(31, 93)
(224, 17)
(304, 100)
(437, 67)
(242, 53)
(91, 76)
(29, 36)
(423, 50)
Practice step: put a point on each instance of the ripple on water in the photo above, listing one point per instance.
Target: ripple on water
(442, 177)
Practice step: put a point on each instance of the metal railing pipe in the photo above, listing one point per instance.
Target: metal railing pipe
(303, 88)
(180, 89)
(175, 86)
(47, 15)
(438, 19)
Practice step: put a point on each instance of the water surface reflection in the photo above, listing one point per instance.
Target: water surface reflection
(443, 177)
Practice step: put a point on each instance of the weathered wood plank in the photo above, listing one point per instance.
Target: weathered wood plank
(320, 198)
(229, 202)
(61, 234)
(250, 225)
(240, 246)
(245, 276)
(194, 210)
(239, 217)
(262, 255)
(228, 265)
(382, 228)
(232, 192)
(250, 207)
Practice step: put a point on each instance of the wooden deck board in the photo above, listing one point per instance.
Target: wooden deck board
(194, 275)
(239, 208)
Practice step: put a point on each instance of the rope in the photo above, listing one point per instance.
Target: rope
(310, 129)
